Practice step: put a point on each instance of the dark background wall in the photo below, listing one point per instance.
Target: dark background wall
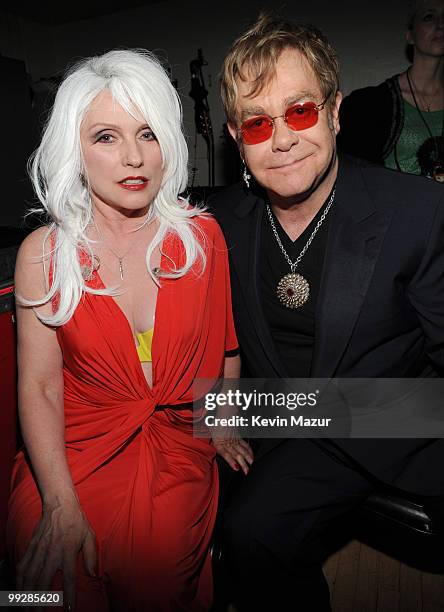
(36, 44)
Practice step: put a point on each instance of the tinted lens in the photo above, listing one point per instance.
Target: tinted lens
(298, 117)
(258, 129)
(301, 116)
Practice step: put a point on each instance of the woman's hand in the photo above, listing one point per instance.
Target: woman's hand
(236, 452)
(228, 444)
(60, 535)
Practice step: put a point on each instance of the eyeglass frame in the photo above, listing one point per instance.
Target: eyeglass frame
(317, 107)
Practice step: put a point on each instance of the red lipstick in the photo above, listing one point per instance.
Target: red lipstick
(134, 183)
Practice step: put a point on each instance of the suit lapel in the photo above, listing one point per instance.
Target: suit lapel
(354, 241)
(245, 255)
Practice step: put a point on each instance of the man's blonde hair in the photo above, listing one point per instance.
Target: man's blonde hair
(257, 50)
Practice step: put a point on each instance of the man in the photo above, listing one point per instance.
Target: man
(337, 271)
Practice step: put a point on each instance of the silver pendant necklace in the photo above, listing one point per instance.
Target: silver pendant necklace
(293, 289)
(119, 258)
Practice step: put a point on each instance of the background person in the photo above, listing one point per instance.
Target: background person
(400, 123)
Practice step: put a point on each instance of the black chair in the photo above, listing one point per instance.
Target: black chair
(399, 511)
(400, 525)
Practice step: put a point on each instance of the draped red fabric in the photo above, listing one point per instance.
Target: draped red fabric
(147, 486)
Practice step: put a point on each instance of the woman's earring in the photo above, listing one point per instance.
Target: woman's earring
(246, 176)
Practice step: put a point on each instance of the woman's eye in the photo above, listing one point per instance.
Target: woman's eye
(148, 135)
(428, 17)
(104, 138)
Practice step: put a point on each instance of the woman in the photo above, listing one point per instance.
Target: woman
(123, 299)
(400, 123)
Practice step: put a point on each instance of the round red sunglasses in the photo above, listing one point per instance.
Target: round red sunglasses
(297, 117)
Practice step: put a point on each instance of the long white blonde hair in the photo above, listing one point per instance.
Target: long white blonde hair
(139, 83)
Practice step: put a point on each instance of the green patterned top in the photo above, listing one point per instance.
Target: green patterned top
(413, 134)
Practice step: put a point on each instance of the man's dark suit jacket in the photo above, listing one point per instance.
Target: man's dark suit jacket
(380, 309)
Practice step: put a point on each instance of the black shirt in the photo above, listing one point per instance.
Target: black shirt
(292, 330)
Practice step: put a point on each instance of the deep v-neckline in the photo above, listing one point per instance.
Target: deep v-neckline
(123, 316)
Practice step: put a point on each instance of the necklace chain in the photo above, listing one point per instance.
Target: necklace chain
(293, 264)
(411, 87)
(120, 258)
(423, 96)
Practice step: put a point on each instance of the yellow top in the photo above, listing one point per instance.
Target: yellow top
(145, 340)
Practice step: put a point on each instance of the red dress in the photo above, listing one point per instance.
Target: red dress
(146, 485)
